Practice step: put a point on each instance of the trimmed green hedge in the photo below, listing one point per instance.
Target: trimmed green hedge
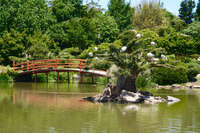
(168, 76)
(193, 70)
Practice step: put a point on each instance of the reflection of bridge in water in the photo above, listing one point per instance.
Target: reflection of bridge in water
(56, 65)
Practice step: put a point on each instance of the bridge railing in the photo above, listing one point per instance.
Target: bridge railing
(49, 64)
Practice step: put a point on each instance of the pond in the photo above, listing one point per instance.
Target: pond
(58, 108)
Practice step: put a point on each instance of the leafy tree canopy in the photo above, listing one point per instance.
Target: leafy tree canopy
(178, 44)
(32, 15)
(193, 30)
(197, 13)
(66, 9)
(149, 14)
(122, 13)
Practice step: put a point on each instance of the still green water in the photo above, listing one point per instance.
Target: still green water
(58, 108)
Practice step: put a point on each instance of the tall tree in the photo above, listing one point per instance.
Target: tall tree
(148, 14)
(76, 32)
(32, 15)
(66, 9)
(197, 14)
(122, 12)
(12, 44)
(186, 10)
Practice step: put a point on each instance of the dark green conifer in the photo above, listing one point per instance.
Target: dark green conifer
(122, 13)
(197, 17)
(186, 11)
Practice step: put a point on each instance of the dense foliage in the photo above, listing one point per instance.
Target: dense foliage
(197, 14)
(168, 76)
(148, 15)
(122, 13)
(135, 39)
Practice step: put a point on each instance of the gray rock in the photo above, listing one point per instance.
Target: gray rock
(131, 97)
(176, 86)
(172, 100)
(196, 87)
(154, 100)
(198, 76)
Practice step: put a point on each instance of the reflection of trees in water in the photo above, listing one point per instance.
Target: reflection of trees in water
(36, 110)
(50, 99)
(138, 118)
(59, 87)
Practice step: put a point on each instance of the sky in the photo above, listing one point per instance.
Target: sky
(171, 5)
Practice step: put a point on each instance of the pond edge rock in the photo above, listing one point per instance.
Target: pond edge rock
(127, 97)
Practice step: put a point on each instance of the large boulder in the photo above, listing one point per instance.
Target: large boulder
(130, 97)
(172, 100)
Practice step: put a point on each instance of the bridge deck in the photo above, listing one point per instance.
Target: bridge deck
(55, 65)
(94, 72)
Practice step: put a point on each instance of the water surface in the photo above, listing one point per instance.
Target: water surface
(58, 108)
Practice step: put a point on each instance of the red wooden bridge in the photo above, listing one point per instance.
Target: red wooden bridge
(55, 65)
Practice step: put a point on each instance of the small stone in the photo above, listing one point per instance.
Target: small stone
(198, 76)
(154, 100)
(196, 87)
(172, 100)
(176, 86)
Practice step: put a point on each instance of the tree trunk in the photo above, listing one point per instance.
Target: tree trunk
(125, 83)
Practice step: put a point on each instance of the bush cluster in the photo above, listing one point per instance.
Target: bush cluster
(168, 76)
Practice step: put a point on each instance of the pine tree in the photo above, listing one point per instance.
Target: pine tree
(197, 17)
(122, 13)
(186, 11)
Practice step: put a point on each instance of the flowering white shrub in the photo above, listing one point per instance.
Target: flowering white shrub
(90, 54)
(153, 43)
(150, 55)
(95, 48)
(139, 35)
(123, 49)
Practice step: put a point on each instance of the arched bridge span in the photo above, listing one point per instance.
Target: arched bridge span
(55, 65)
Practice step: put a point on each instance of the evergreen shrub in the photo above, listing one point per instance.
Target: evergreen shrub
(193, 70)
(169, 76)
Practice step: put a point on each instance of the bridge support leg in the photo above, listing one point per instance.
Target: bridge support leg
(57, 77)
(35, 77)
(81, 78)
(47, 77)
(68, 77)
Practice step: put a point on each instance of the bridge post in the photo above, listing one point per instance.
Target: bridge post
(68, 77)
(57, 77)
(81, 78)
(80, 65)
(47, 77)
(35, 77)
